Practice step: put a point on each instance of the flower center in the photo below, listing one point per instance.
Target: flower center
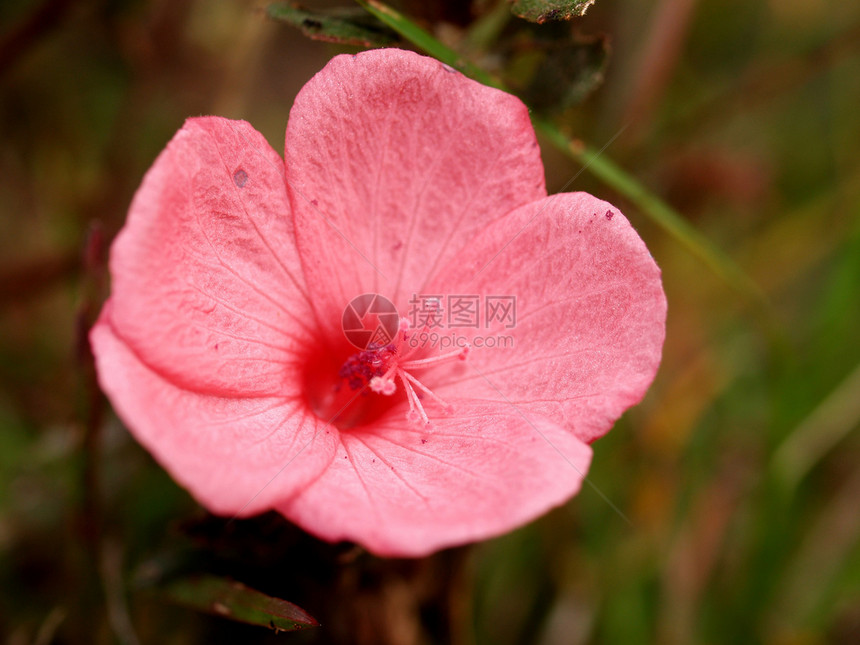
(378, 368)
(367, 382)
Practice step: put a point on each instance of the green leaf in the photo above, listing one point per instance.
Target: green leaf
(344, 25)
(231, 599)
(540, 11)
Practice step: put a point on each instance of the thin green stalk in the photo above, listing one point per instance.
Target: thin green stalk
(602, 167)
(834, 418)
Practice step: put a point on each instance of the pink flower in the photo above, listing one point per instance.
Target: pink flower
(222, 345)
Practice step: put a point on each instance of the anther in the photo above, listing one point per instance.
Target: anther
(382, 385)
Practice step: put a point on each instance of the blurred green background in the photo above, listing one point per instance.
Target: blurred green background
(723, 509)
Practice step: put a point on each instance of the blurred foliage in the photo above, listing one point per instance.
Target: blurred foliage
(344, 25)
(559, 69)
(738, 473)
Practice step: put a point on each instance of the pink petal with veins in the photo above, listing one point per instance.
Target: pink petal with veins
(394, 161)
(207, 287)
(400, 491)
(237, 456)
(590, 313)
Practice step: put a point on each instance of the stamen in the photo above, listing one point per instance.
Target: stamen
(416, 410)
(383, 385)
(362, 368)
(446, 406)
(378, 367)
(457, 354)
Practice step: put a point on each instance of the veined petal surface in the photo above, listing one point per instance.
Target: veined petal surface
(394, 161)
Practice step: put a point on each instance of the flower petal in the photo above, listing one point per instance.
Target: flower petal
(207, 287)
(237, 456)
(394, 161)
(590, 313)
(400, 491)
